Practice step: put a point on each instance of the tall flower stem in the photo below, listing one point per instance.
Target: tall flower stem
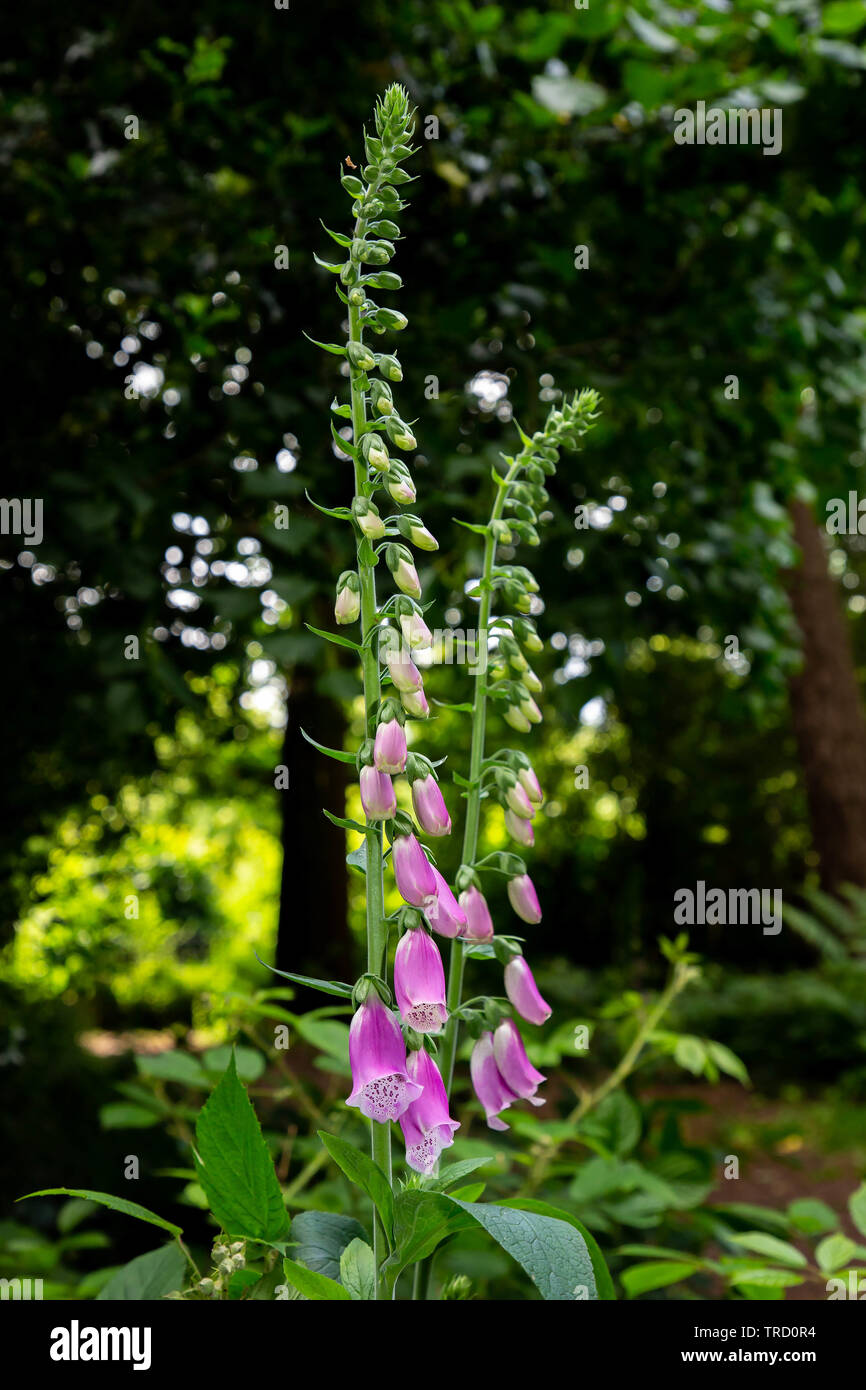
(380, 1134)
(476, 758)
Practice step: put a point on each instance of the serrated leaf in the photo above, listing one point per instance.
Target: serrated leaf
(234, 1166)
(147, 1277)
(603, 1280)
(105, 1199)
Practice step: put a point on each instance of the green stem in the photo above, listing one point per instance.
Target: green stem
(377, 931)
(476, 758)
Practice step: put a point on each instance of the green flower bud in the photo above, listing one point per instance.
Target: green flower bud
(352, 185)
(381, 399)
(390, 367)
(360, 356)
(413, 528)
(376, 252)
(400, 433)
(374, 451)
(367, 516)
(501, 532)
(386, 279)
(390, 229)
(393, 319)
(357, 295)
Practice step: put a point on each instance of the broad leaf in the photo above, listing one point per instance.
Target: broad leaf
(147, 1277)
(234, 1165)
(358, 1271)
(656, 1274)
(774, 1249)
(553, 1253)
(322, 1236)
(603, 1280)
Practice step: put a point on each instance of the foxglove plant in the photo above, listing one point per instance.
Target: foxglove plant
(394, 1075)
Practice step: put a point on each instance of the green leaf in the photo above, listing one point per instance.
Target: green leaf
(857, 1208)
(655, 1274)
(843, 16)
(336, 637)
(106, 1200)
(341, 513)
(366, 1174)
(174, 1066)
(339, 237)
(123, 1115)
(358, 1271)
(772, 1247)
(727, 1061)
(616, 1123)
(834, 1252)
(344, 822)
(766, 1278)
(553, 1253)
(357, 859)
(603, 1280)
(317, 1287)
(812, 1217)
(249, 1062)
(454, 1173)
(321, 1238)
(690, 1053)
(332, 266)
(338, 349)
(234, 1165)
(147, 1277)
(422, 1221)
(337, 754)
(471, 526)
(342, 991)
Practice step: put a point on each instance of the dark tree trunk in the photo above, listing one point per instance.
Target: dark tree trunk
(313, 936)
(827, 714)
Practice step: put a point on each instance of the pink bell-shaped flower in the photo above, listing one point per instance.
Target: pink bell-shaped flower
(523, 898)
(419, 982)
(413, 871)
(429, 803)
(523, 992)
(381, 1086)
(426, 1124)
(479, 923)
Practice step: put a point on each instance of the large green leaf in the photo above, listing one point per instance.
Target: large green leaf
(234, 1165)
(656, 1274)
(147, 1277)
(321, 1238)
(553, 1253)
(106, 1200)
(366, 1174)
(603, 1280)
(422, 1221)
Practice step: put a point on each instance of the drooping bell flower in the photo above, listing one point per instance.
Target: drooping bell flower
(523, 992)
(389, 747)
(381, 1086)
(406, 578)
(400, 486)
(517, 719)
(512, 1063)
(529, 709)
(519, 802)
(415, 703)
(519, 829)
(426, 1124)
(415, 631)
(378, 797)
(489, 1086)
(479, 923)
(523, 898)
(347, 606)
(413, 871)
(419, 982)
(403, 671)
(442, 909)
(430, 809)
(531, 785)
